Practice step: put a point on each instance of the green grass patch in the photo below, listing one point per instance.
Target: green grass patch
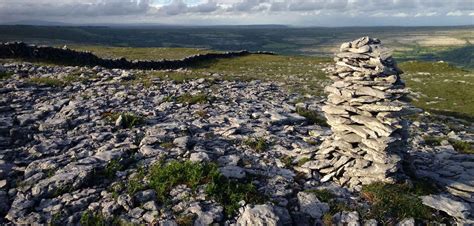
(335, 206)
(312, 117)
(459, 145)
(296, 73)
(163, 177)
(135, 181)
(201, 113)
(433, 140)
(429, 67)
(135, 53)
(186, 219)
(112, 168)
(258, 144)
(5, 75)
(193, 99)
(89, 218)
(287, 161)
(324, 195)
(462, 146)
(168, 145)
(302, 161)
(423, 187)
(441, 88)
(129, 119)
(391, 203)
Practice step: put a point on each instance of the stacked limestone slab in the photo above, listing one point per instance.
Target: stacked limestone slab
(363, 110)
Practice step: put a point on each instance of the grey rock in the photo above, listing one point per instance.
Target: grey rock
(407, 222)
(457, 209)
(199, 157)
(182, 142)
(125, 201)
(232, 172)
(346, 218)
(261, 215)
(311, 205)
(145, 195)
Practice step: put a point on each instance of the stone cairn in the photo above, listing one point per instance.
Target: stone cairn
(363, 110)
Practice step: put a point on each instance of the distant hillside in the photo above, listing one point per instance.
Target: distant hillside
(427, 43)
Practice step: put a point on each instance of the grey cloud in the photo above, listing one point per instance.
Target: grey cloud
(302, 5)
(51, 8)
(207, 7)
(337, 4)
(465, 5)
(248, 5)
(261, 9)
(279, 6)
(176, 7)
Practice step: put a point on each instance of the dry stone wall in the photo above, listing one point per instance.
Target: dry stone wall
(363, 109)
(76, 58)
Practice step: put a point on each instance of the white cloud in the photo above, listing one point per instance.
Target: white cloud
(426, 14)
(400, 15)
(455, 13)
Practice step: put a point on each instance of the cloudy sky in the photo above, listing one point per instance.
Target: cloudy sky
(212, 12)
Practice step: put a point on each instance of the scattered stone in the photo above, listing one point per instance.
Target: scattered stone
(261, 215)
(311, 205)
(457, 209)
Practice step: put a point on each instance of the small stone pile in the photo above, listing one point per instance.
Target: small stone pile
(363, 110)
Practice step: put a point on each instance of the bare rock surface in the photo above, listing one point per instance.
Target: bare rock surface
(56, 138)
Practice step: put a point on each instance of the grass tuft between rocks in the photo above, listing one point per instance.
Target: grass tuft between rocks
(302, 161)
(462, 146)
(258, 144)
(324, 195)
(432, 140)
(89, 218)
(335, 206)
(135, 182)
(193, 99)
(458, 145)
(186, 219)
(129, 119)
(312, 116)
(5, 75)
(391, 203)
(163, 177)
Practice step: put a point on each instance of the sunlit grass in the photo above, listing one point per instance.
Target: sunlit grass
(140, 53)
(440, 87)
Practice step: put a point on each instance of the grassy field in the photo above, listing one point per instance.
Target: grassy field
(141, 53)
(441, 88)
(297, 74)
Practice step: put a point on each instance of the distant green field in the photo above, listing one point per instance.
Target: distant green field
(441, 88)
(462, 56)
(450, 44)
(143, 53)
